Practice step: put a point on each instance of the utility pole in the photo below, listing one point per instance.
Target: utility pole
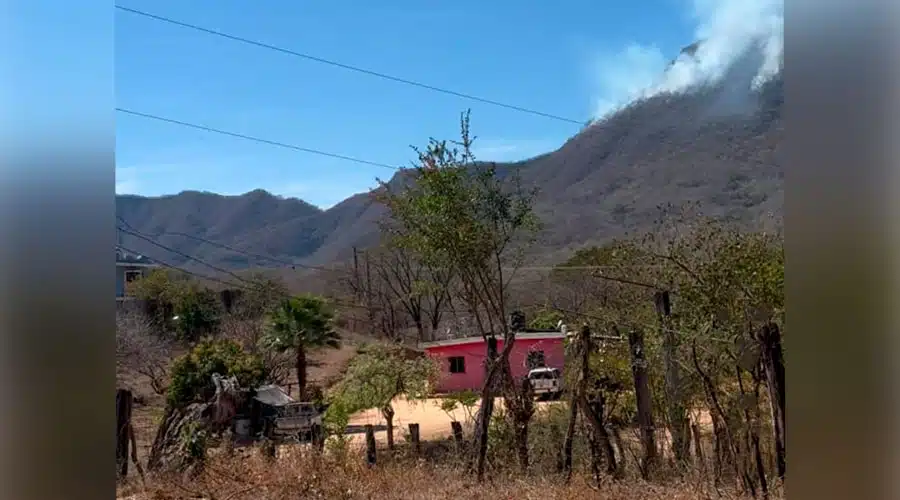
(356, 273)
(356, 281)
(370, 311)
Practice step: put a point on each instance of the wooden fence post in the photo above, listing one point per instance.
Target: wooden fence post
(318, 437)
(370, 445)
(123, 425)
(698, 447)
(414, 438)
(644, 402)
(678, 422)
(593, 412)
(773, 364)
(456, 427)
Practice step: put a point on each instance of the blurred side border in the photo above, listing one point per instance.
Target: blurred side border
(841, 252)
(57, 232)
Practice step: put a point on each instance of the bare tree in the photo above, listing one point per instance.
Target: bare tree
(248, 332)
(140, 349)
(394, 282)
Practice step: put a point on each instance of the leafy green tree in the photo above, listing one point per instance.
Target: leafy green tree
(158, 289)
(178, 305)
(727, 286)
(467, 216)
(378, 375)
(191, 374)
(465, 399)
(198, 312)
(545, 319)
(335, 421)
(300, 324)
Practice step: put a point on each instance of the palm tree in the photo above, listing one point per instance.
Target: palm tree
(300, 323)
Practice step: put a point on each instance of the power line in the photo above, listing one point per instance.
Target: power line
(182, 254)
(321, 268)
(249, 285)
(252, 138)
(179, 269)
(345, 66)
(625, 281)
(645, 325)
(563, 267)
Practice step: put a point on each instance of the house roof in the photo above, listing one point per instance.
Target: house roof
(528, 335)
(124, 258)
(272, 395)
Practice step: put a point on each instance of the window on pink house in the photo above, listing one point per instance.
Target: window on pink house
(457, 364)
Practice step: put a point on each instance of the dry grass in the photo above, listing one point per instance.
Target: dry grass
(249, 476)
(439, 472)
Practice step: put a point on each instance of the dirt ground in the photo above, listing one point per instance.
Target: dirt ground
(433, 422)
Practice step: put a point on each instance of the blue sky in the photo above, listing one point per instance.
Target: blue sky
(573, 58)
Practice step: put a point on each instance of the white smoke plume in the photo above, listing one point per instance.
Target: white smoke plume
(727, 30)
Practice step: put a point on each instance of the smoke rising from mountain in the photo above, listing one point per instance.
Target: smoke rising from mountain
(730, 33)
(729, 29)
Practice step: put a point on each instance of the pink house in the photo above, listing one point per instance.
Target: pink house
(462, 360)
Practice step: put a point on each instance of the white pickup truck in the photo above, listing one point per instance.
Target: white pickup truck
(546, 382)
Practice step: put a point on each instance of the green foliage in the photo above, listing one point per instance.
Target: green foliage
(726, 279)
(546, 433)
(725, 284)
(335, 421)
(380, 373)
(158, 288)
(179, 305)
(609, 375)
(336, 417)
(158, 284)
(501, 435)
(194, 440)
(198, 312)
(463, 216)
(191, 374)
(545, 319)
(305, 321)
(465, 399)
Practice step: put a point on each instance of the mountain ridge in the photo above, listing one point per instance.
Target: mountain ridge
(718, 144)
